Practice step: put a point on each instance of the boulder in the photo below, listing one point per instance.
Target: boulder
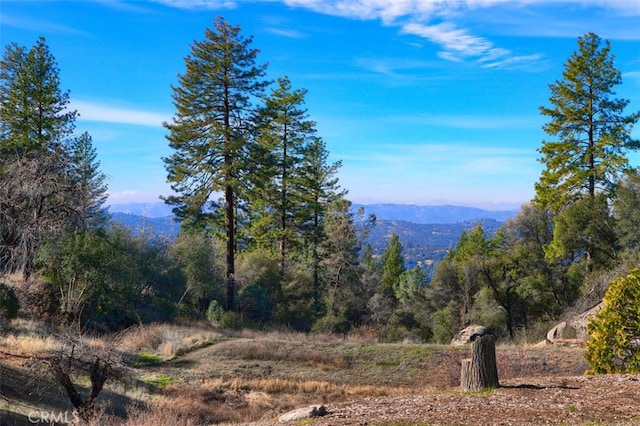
(579, 322)
(561, 331)
(469, 334)
(304, 413)
(573, 331)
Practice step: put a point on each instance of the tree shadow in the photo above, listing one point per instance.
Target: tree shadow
(536, 387)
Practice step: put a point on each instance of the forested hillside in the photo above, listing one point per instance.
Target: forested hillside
(267, 237)
(424, 244)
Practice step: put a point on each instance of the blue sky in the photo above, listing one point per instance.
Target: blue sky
(425, 102)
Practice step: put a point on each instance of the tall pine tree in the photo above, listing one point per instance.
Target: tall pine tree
(593, 134)
(210, 132)
(284, 132)
(319, 189)
(392, 267)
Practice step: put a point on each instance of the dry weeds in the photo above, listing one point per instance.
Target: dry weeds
(253, 377)
(167, 340)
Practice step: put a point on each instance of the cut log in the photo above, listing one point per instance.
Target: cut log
(480, 371)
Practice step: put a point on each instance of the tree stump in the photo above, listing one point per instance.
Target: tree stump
(480, 372)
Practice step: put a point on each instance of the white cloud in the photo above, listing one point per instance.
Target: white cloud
(92, 111)
(286, 32)
(631, 75)
(457, 43)
(129, 196)
(440, 21)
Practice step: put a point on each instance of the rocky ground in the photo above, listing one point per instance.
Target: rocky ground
(572, 400)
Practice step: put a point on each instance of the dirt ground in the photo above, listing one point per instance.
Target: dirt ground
(539, 385)
(572, 400)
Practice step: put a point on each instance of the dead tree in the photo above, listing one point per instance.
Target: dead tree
(77, 359)
(480, 371)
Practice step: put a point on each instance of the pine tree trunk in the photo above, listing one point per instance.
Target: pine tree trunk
(480, 372)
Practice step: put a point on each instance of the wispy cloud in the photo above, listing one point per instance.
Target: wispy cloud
(286, 32)
(39, 26)
(444, 22)
(458, 44)
(129, 196)
(390, 66)
(92, 111)
(632, 75)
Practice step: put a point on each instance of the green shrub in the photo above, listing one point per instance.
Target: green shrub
(614, 342)
(214, 312)
(331, 324)
(231, 320)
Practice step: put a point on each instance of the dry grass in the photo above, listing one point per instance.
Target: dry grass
(315, 388)
(30, 344)
(250, 375)
(239, 400)
(289, 351)
(167, 340)
(363, 335)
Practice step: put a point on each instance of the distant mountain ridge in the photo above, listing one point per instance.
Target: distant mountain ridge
(427, 233)
(149, 209)
(384, 211)
(434, 214)
(164, 226)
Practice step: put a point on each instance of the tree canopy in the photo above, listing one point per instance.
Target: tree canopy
(593, 133)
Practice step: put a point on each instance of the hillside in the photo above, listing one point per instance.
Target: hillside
(424, 243)
(161, 226)
(202, 375)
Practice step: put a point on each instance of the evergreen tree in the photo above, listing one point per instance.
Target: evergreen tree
(210, 132)
(34, 117)
(593, 132)
(543, 286)
(585, 230)
(89, 184)
(455, 282)
(284, 131)
(612, 347)
(626, 208)
(35, 123)
(392, 267)
(319, 189)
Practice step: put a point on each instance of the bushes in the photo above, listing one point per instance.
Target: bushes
(614, 343)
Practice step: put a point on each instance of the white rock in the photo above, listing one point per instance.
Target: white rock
(304, 413)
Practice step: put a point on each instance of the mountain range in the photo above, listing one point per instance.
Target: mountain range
(404, 212)
(427, 233)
